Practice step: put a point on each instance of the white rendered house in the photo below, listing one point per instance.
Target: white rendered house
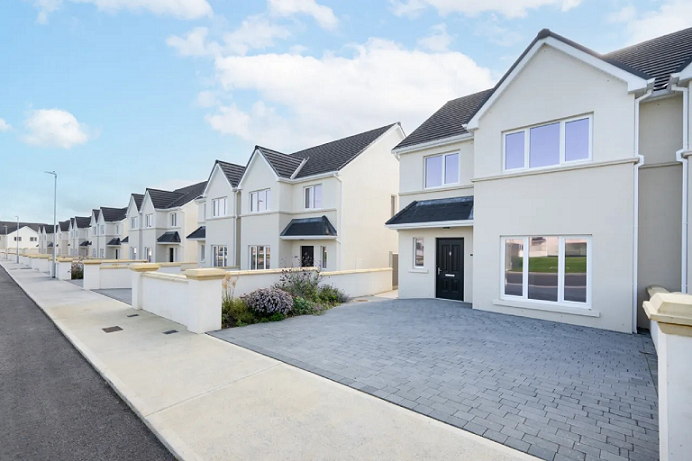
(321, 206)
(26, 237)
(218, 231)
(131, 228)
(63, 238)
(80, 227)
(556, 194)
(109, 233)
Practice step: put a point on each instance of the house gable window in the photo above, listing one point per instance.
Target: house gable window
(149, 220)
(418, 253)
(259, 200)
(547, 269)
(103, 229)
(259, 257)
(313, 196)
(218, 207)
(133, 223)
(441, 170)
(174, 219)
(552, 144)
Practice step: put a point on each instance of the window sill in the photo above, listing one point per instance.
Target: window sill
(418, 271)
(547, 307)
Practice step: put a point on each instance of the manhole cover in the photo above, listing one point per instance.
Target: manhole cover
(170, 332)
(112, 329)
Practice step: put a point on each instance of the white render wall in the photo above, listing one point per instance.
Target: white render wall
(219, 230)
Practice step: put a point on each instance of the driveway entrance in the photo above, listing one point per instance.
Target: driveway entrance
(549, 389)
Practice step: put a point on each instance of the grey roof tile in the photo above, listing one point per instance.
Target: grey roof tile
(232, 171)
(309, 227)
(283, 164)
(169, 237)
(163, 199)
(83, 221)
(199, 234)
(437, 210)
(113, 214)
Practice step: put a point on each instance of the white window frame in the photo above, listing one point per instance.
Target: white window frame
(133, 222)
(174, 219)
(312, 203)
(216, 207)
(148, 254)
(527, 144)
(324, 256)
(560, 274)
(214, 255)
(202, 252)
(266, 259)
(415, 240)
(443, 178)
(103, 229)
(254, 201)
(149, 220)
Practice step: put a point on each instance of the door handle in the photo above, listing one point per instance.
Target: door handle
(438, 271)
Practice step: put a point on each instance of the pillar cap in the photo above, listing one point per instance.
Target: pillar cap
(205, 274)
(145, 267)
(671, 309)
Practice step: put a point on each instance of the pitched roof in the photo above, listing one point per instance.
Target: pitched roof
(449, 120)
(125, 240)
(656, 58)
(113, 214)
(85, 243)
(163, 199)
(283, 164)
(138, 200)
(169, 237)
(83, 221)
(96, 213)
(12, 226)
(232, 171)
(49, 229)
(437, 210)
(335, 155)
(64, 225)
(199, 234)
(309, 227)
(114, 242)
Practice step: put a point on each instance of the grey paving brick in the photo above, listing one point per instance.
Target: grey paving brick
(482, 371)
(542, 453)
(570, 453)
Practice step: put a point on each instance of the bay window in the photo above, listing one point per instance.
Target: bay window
(259, 200)
(551, 144)
(441, 170)
(549, 269)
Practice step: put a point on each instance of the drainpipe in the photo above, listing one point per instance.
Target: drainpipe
(339, 213)
(635, 230)
(682, 157)
(236, 207)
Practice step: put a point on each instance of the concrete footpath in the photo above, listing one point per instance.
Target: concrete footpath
(207, 399)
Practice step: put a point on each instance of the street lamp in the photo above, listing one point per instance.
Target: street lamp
(16, 238)
(55, 224)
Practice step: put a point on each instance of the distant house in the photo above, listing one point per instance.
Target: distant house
(26, 236)
(80, 227)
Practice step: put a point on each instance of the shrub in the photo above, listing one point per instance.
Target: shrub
(268, 301)
(331, 295)
(77, 270)
(234, 312)
(302, 306)
(300, 282)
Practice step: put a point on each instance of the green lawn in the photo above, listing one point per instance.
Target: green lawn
(548, 264)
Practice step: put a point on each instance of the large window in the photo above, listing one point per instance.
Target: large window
(259, 257)
(418, 253)
(219, 255)
(441, 170)
(259, 200)
(313, 196)
(218, 207)
(551, 269)
(548, 145)
(149, 220)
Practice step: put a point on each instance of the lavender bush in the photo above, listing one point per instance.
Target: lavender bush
(269, 301)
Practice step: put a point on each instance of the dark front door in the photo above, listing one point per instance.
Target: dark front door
(307, 256)
(450, 269)
(171, 255)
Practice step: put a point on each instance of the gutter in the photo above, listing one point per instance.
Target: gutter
(635, 223)
(682, 157)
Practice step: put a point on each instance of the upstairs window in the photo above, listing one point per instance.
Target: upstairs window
(313, 196)
(218, 207)
(547, 145)
(133, 223)
(441, 170)
(174, 219)
(103, 229)
(149, 220)
(259, 200)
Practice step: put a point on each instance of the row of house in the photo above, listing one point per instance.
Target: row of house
(560, 193)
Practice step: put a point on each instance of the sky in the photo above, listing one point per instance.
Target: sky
(120, 95)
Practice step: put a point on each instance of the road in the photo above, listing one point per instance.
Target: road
(53, 404)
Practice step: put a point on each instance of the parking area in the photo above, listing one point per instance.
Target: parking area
(549, 389)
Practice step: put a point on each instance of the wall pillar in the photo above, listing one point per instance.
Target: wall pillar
(92, 275)
(205, 295)
(137, 271)
(64, 268)
(671, 322)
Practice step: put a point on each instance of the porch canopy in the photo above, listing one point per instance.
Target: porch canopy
(309, 228)
(115, 242)
(170, 237)
(444, 212)
(199, 234)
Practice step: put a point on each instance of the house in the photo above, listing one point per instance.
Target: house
(162, 221)
(320, 206)
(63, 238)
(133, 238)
(25, 237)
(110, 228)
(94, 230)
(80, 227)
(218, 230)
(46, 239)
(561, 192)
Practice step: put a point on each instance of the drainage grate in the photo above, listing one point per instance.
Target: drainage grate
(170, 332)
(361, 300)
(112, 329)
(133, 315)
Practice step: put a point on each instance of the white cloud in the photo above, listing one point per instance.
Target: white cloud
(324, 15)
(671, 16)
(194, 43)
(303, 99)
(54, 128)
(496, 33)
(4, 126)
(438, 40)
(207, 99)
(510, 9)
(183, 9)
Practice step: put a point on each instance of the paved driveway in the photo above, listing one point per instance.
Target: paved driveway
(549, 389)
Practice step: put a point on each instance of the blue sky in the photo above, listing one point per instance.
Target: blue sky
(120, 95)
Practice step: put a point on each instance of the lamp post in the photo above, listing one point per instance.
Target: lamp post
(16, 238)
(55, 224)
